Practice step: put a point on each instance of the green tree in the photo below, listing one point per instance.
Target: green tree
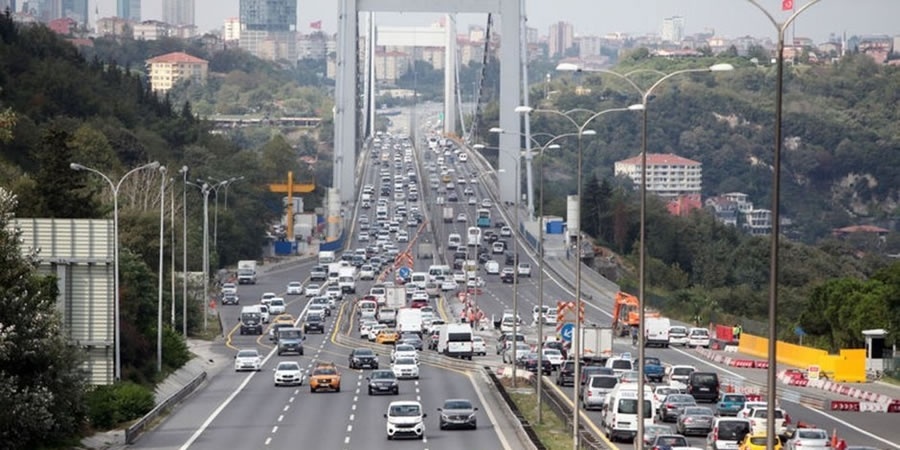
(41, 386)
(61, 190)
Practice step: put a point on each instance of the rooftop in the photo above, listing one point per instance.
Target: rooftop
(661, 159)
(176, 57)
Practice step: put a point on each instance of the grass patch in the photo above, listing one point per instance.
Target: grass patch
(211, 333)
(553, 432)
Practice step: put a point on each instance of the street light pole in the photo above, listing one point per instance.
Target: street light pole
(184, 277)
(206, 190)
(645, 95)
(772, 374)
(172, 252)
(117, 371)
(162, 241)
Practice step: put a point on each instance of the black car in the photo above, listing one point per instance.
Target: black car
(230, 299)
(508, 277)
(531, 364)
(411, 339)
(363, 358)
(566, 374)
(314, 322)
(458, 413)
(383, 382)
(511, 259)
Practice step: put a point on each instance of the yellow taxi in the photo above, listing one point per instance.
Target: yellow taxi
(325, 375)
(387, 336)
(757, 441)
(284, 318)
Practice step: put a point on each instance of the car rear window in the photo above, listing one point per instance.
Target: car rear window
(621, 364)
(604, 382)
(705, 378)
(812, 434)
(732, 430)
(762, 413)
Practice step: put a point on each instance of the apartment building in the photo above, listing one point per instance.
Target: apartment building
(165, 71)
(668, 175)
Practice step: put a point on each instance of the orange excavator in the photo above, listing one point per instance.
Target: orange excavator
(626, 313)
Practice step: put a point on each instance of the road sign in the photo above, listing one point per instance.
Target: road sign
(404, 272)
(567, 331)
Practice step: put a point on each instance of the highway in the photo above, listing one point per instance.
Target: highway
(244, 410)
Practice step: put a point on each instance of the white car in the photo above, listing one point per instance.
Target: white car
(661, 391)
(748, 407)
(295, 288)
(524, 269)
(478, 346)
(405, 368)
(554, 355)
(472, 201)
(487, 203)
(364, 326)
(492, 267)
(550, 316)
(363, 236)
(247, 359)
(264, 313)
(366, 272)
(276, 306)
(229, 288)
(313, 290)
(475, 282)
(461, 217)
(678, 335)
(698, 337)
(404, 351)
(266, 297)
(288, 373)
(681, 373)
(449, 285)
(459, 276)
(374, 330)
(317, 309)
(334, 292)
(505, 231)
(405, 419)
(402, 236)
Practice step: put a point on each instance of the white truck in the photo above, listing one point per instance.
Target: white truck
(327, 257)
(455, 340)
(395, 297)
(448, 214)
(387, 316)
(409, 320)
(347, 279)
(657, 329)
(246, 271)
(596, 342)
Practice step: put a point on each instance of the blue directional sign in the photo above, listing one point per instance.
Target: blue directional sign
(404, 272)
(567, 331)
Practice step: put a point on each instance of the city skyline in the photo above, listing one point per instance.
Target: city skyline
(732, 18)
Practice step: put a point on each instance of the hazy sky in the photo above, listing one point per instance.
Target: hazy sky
(729, 18)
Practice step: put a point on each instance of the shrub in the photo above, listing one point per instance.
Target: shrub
(111, 405)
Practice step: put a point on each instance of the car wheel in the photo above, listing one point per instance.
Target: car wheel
(312, 389)
(396, 391)
(301, 352)
(338, 389)
(370, 391)
(442, 426)
(389, 437)
(474, 425)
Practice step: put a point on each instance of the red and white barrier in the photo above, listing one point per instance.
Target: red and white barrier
(868, 401)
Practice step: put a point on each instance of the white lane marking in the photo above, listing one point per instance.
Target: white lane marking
(281, 417)
(275, 429)
(351, 417)
(268, 440)
(355, 399)
(852, 427)
(349, 428)
(287, 407)
(291, 400)
(347, 440)
(418, 398)
(357, 390)
(353, 407)
(489, 411)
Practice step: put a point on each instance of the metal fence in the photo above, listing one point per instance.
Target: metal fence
(135, 430)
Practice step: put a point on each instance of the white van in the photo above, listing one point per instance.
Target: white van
(619, 416)
(657, 331)
(454, 241)
(419, 279)
(366, 309)
(436, 271)
(455, 340)
(326, 257)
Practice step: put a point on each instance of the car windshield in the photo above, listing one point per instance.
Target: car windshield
(405, 410)
(277, 302)
(382, 375)
(604, 382)
(288, 366)
(405, 362)
(326, 371)
(734, 398)
(697, 412)
(405, 348)
(811, 434)
(673, 441)
(621, 364)
(247, 354)
(732, 429)
(364, 352)
(457, 404)
(682, 371)
(680, 398)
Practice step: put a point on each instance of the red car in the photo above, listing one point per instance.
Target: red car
(418, 303)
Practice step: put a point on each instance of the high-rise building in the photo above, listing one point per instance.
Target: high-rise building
(561, 39)
(129, 9)
(269, 28)
(673, 29)
(178, 12)
(232, 29)
(8, 4)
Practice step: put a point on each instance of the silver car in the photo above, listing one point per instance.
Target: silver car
(695, 420)
(672, 405)
(808, 438)
(595, 390)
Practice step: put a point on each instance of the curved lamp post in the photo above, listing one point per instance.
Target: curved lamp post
(582, 131)
(642, 268)
(117, 374)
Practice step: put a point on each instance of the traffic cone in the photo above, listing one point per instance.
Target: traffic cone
(834, 438)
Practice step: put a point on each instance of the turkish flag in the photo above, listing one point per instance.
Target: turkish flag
(787, 5)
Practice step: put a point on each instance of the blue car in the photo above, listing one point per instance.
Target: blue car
(653, 368)
(730, 404)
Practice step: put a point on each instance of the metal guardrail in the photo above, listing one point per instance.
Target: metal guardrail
(426, 357)
(529, 431)
(135, 430)
(562, 410)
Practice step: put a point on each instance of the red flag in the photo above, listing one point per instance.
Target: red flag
(317, 25)
(787, 5)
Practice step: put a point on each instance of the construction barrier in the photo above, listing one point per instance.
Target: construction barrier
(797, 378)
(842, 405)
(733, 362)
(848, 366)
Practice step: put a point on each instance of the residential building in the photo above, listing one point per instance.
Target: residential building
(668, 175)
(64, 26)
(150, 30)
(389, 66)
(312, 46)
(113, 26)
(589, 46)
(561, 38)
(129, 9)
(269, 28)
(232, 29)
(684, 204)
(759, 222)
(165, 71)
(725, 210)
(178, 12)
(673, 29)
(741, 200)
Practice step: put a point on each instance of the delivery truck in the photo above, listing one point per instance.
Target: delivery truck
(395, 297)
(596, 343)
(246, 272)
(448, 214)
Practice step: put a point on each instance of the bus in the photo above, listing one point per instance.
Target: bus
(483, 218)
(473, 235)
